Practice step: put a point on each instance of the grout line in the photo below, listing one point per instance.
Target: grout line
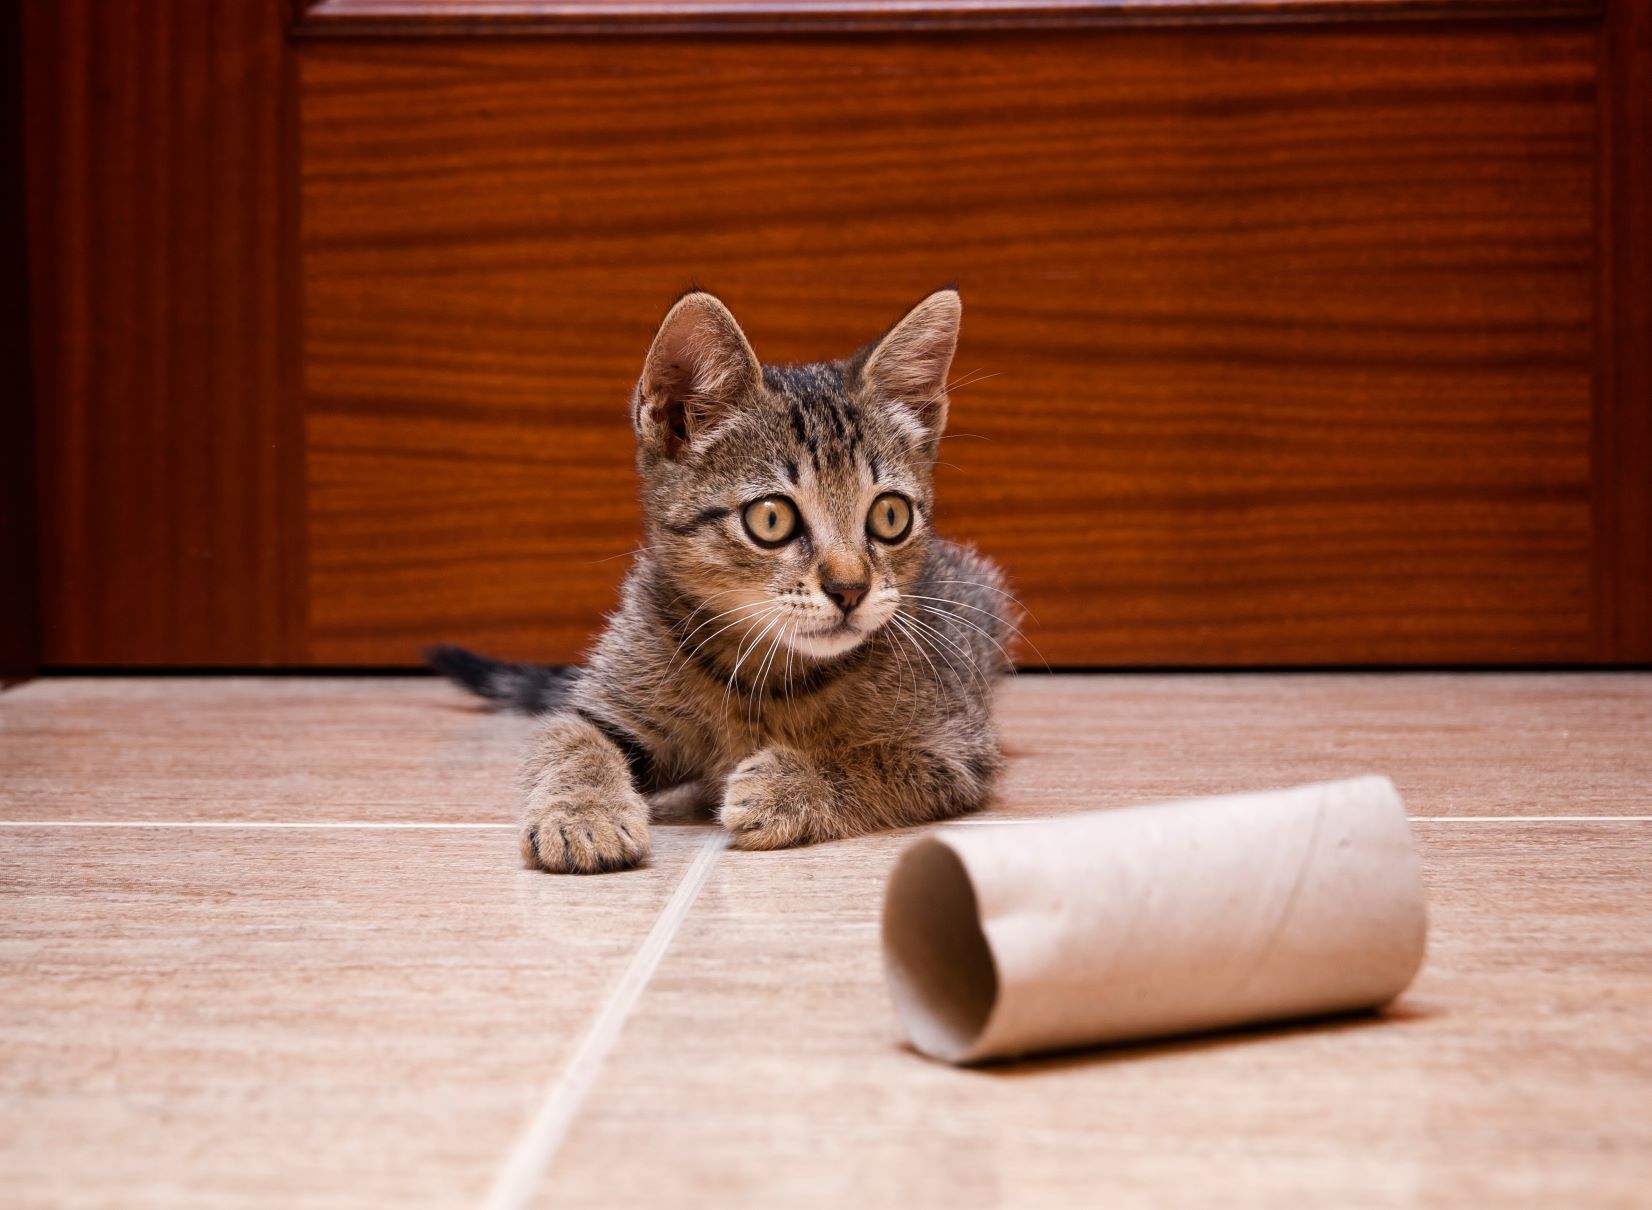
(1530, 818)
(233, 823)
(530, 1158)
(411, 825)
(998, 823)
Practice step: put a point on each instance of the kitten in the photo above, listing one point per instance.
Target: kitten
(795, 646)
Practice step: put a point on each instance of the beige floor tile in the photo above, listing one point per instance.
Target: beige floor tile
(330, 1017)
(266, 749)
(388, 749)
(1455, 744)
(224, 1018)
(761, 1068)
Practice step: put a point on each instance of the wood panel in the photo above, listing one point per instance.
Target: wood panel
(1624, 439)
(19, 567)
(492, 17)
(156, 213)
(1284, 337)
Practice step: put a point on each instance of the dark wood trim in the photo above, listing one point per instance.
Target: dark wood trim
(161, 244)
(292, 458)
(1623, 469)
(515, 18)
(19, 559)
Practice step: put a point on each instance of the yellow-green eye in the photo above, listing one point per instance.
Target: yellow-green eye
(890, 519)
(771, 521)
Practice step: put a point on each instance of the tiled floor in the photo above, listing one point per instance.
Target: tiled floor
(267, 943)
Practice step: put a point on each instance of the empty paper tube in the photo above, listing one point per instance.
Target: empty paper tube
(1156, 920)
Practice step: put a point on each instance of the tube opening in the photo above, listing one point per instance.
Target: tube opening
(937, 959)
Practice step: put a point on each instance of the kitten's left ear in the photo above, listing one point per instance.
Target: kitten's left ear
(910, 363)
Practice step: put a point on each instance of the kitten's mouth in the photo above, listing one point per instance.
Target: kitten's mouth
(830, 641)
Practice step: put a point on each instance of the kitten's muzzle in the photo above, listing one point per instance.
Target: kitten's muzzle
(846, 595)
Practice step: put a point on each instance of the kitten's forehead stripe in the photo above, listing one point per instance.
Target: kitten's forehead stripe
(835, 415)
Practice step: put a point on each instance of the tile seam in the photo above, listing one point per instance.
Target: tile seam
(998, 823)
(413, 825)
(531, 1156)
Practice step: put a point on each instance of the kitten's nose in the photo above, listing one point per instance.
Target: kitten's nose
(847, 596)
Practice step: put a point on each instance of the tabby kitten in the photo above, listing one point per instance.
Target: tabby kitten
(794, 647)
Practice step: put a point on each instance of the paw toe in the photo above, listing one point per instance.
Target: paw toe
(584, 846)
(753, 827)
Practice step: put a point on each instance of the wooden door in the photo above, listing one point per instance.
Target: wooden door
(1295, 333)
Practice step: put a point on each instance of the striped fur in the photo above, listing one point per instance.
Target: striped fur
(729, 677)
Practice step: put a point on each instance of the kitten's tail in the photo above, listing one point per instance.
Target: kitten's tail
(522, 688)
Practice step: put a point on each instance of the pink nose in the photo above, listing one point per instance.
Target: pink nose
(847, 596)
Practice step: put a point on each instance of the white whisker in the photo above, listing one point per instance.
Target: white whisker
(1007, 595)
(754, 711)
(922, 648)
(635, 550)
(683, 651)
(950, 642)
(904, 622)
(789, 652)
(739, 659)
(682, 643)
(740, 642)
(918, 596)
(895, 636)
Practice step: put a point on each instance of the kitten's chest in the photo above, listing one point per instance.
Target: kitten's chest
(712, 733)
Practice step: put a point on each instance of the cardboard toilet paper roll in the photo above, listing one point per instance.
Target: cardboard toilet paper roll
(1147, 921)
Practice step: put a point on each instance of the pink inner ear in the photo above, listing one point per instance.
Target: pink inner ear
(676, 419)
(911, 363)
(699, 367)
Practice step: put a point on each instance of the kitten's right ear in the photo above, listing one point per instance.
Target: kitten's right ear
(699, 369)
(909, 363)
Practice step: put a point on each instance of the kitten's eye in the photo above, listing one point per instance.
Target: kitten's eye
(771, 521)
(890, 519)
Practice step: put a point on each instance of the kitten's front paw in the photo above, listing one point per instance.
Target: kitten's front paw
(583, 831)
(774, 799)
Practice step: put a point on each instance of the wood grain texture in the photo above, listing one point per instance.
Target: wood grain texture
(762, 1065)
(1286, 336)
(1624, 447)
(1081, 743)
(155, 134)
(254, 1018)
(250, 749)
(515, 17)
(19, 562)
(240, 749)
